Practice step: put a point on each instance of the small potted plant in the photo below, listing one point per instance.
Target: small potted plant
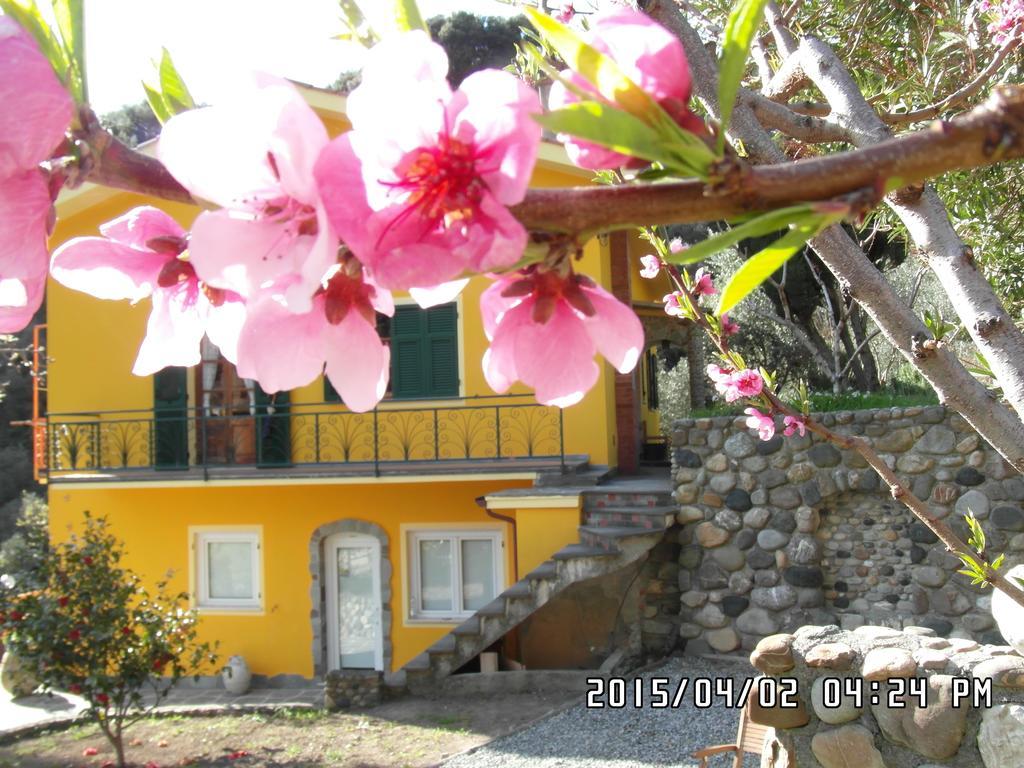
(236, 676)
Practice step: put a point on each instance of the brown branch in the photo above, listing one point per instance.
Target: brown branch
(780, 117)
(990, 133)
(787, 81)
(113, 164)
(960, 96)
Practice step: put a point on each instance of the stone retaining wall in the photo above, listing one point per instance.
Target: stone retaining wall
(794, 531)
(351, 688)
(890, 728)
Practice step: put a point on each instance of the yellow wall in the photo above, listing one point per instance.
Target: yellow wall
(92, 344)
(543, 531)
(154, 525)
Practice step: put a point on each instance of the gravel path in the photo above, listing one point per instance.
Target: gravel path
(629, 737)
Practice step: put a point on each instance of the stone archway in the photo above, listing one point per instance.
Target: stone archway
(662, 328)
(317, 597)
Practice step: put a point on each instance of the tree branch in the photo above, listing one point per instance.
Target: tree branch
(968, 141)
(960, 96)
(780, 117)
(952, 382)
(982, 314)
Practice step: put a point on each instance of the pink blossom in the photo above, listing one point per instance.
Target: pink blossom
(733, 385)
(283, 350)
(140, 255)
(545, 328)
(36, 108)
(567, 13)
(651, 56)
(794, 424)
(651, 268)
(702, 285)
(36, 112)
(675, 245)
(764, 424)
(253, 155)
(1007, 17)
(729, 328)
(673, 305)
(419, 188)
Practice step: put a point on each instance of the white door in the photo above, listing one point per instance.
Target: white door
(354, 639)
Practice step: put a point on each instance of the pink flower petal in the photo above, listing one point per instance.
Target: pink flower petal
(24, 211)
(220, 153)
(438, 294)
(280, 349)
(358, 363)
(106, 269)
(493, 304)
(20, 299)
(556, 359)
(140, 225)
(224, 325)
(343, 193)
(173, 333)
(498, 236)
(498, 118)
(233, 251)
(499, 361)
(614, 329)
(36, 108)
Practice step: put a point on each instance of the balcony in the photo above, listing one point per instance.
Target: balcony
(471, 435)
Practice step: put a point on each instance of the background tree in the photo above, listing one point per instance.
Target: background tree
(90, 627)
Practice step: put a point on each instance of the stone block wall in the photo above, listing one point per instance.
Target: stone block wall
(959, 726)
(355, 688)
(791, 531)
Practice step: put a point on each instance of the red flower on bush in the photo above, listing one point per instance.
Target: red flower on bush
(102, 698)
(87, 560)
(62, 601)
(74, 635)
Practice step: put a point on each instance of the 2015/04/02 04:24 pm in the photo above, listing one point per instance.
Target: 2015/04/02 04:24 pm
(782, 692)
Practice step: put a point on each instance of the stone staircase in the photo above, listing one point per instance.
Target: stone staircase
(622, 520)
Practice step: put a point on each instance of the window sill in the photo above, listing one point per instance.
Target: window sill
(437, 621)
(230, 610)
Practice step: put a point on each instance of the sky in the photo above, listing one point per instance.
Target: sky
(212, 41)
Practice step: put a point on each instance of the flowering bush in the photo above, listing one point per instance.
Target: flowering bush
(93, 630)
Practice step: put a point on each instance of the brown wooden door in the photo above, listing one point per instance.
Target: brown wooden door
(226, 404)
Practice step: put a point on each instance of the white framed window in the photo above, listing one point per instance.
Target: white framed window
(228, 567)
(453, 573)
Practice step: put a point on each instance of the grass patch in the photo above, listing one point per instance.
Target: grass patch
(827, 402)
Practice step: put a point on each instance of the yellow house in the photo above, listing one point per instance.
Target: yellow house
(406, 540)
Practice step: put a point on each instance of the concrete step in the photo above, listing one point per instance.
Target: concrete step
(494, 608)
(445, 645)
(470, 626)
(607, 537)
(574, 551)
(593, 501)
(546, 570)
(518, 591)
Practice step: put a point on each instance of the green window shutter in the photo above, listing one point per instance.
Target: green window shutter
(170, 418)
(273, 429)
(330, 393)
(443, 346)
(424, 352)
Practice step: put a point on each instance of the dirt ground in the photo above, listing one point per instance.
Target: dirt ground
(408, 733)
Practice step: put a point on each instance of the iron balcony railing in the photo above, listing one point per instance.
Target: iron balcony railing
(394, 437)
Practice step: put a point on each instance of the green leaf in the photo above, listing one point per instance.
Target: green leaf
(998, 562)
(156, 103)
(616, 130)
(762, 225)
(27, 14)
(762, 264)
(69, 15)
(599, 70)
(404, 15)
(172, 86)
(744, 19)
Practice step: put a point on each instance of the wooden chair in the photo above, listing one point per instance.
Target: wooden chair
(750, 739)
